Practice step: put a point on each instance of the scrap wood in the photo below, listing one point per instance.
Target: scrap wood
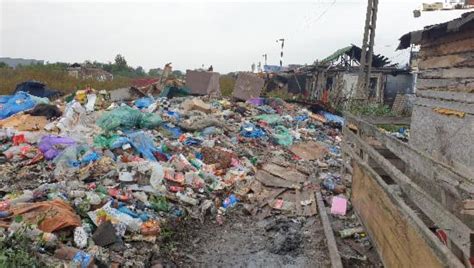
(285, 173)
(268, 179)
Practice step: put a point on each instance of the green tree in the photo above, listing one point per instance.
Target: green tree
(3, 65)
(120, 62)
(155, 72)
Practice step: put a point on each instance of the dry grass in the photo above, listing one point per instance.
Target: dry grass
(55, 79)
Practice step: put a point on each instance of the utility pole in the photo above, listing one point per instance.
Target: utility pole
(282, 40)
(363, 81)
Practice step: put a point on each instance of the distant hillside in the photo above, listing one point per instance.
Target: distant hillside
(13, 62)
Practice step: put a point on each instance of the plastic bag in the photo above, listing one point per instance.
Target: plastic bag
(51, 145)
(282, 136)
(143, 144)
(125, 117)
(10, 105)
(251, 131)
(143, 102)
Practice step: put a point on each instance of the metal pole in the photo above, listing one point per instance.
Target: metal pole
(282, 40)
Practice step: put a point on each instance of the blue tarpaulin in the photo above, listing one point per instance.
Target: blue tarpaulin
(10, 105)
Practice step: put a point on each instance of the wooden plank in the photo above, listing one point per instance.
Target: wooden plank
(446, 39)
(331, 241)
(392, 120)
(456, 60)
(421, 163)
(455, 85)
(458, 46)
(447, 95)
(466, 72)
(399, 235)
(457, 231)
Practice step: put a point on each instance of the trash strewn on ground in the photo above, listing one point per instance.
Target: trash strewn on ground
(92, 181)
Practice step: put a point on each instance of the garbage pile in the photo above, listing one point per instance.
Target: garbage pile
(91, 181)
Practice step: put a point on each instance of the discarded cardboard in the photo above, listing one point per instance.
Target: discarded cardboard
(285, 173)
(196, 104)
(268, 179)
(247, 86)
(203, 83)
(309, 150)
(24, 122)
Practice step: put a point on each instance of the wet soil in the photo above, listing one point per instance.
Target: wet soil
(245, 241)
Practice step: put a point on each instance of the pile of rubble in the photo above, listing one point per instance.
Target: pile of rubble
(89, 180)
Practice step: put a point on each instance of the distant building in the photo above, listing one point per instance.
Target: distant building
(82, 72)
(14, 62)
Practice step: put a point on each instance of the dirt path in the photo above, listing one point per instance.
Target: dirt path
(244, 241)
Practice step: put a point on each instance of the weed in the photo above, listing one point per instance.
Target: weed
(374, 109)
(15, 250)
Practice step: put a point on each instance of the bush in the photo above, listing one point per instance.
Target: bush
(227, 83)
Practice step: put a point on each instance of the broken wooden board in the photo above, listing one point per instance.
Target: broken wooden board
(268, 179)
(296, 203)
(309, 150)
(286, 173)
(400, 237)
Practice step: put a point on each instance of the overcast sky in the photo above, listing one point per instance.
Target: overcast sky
(228, 35)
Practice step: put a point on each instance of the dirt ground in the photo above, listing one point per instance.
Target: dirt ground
(244, 241)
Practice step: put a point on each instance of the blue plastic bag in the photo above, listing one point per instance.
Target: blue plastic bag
(143, 102)
(251, 131)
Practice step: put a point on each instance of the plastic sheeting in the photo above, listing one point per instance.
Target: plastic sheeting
(12, 104)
